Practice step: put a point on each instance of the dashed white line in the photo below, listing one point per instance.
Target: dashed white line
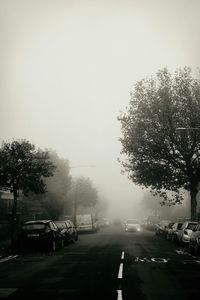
(120, 274)
(122, 257)
(119, 295)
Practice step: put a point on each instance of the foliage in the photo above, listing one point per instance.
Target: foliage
(157, 154)
(23, 168)
(55, 202)
(83, 193)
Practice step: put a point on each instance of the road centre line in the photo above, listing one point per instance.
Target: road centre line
(119, 295)
(122, 257)
(120, 273)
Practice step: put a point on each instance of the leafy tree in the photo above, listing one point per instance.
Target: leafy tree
(82, 194)
(157, 154)
(56, 200)
(22, 169)
(55, 203)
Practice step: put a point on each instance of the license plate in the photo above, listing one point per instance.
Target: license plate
(32, 234)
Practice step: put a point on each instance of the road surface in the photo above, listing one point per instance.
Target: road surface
(110, 264)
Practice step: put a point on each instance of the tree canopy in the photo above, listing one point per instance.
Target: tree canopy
(161, 134)
(24, 168)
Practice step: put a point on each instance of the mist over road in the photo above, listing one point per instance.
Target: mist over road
(110, 264)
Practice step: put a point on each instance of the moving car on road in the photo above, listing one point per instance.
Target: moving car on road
(43, 234)
(132, 225)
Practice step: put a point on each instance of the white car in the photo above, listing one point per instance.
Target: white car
(186, 231)
(132, 225)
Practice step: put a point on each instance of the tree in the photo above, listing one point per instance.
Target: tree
(157, 155)
(56, 200)
(22, 169)
(82, 194)
(55, 203)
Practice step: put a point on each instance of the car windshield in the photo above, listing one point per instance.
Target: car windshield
(132, 221)
(60, 225)
(191, 226)
(179, 225)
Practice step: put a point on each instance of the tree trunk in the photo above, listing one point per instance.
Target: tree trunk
(14, 222)
(193, 209)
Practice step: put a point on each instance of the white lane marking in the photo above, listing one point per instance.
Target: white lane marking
(122, 257)
(8, 258)
(119, 296)
(120, 274)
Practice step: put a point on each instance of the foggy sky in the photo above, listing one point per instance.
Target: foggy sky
(68, 66)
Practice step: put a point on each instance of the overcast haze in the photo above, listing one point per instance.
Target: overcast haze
(67, 68)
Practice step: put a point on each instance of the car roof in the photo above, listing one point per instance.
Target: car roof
(37, 221)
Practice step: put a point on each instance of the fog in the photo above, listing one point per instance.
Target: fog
(67, 69)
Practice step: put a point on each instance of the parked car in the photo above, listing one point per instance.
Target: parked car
(68, 231)
(73, 230)
(132, 225)
(43, 234)
(186, 231)
(194, 243)
(161, 227)
(86, 223)
(173, 232)
(167, 231)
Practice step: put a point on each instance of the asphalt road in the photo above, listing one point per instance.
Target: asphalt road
(110, 264)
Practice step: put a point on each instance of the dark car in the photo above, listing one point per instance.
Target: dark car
(68, 231)
(168, 230)
(73, 230)
(174, 231)
(40, 234)
(161, 227)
